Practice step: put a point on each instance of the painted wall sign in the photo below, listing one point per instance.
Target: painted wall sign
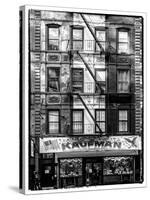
(75, 144)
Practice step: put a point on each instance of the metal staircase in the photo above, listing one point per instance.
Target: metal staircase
(79, 95)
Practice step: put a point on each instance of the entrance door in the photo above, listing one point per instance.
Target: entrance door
(47, 178)
(93, 172)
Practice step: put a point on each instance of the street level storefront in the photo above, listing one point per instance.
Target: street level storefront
(76, 162)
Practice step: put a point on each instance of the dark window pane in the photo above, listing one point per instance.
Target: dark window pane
(53, 80)
(77, 80)
(53, 86)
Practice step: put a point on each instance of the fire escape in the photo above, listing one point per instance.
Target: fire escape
(77, 52)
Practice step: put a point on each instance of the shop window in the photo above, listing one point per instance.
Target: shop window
(100, 34)
(101, 80)
(123, 120)
(100, 120)
(123, 41)
(70, 172)
(77, 38)
(53, 38)
(53, 121)
(123, 81)
(77, 80)
(77, 121)
(53, 79)
(118, 170)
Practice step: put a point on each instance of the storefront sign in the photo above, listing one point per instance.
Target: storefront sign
(74, 144)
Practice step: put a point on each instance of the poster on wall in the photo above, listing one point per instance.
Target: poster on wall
(81, 99)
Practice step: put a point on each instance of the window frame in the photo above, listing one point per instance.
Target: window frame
(73, 69)
(96, 110)
(57, 68)
(72, 39)
(48, 124)
(104, 83)
(51, 26)
(82, 122)
(99, 29)
(129, 82)
(128, 42)
(127, 121)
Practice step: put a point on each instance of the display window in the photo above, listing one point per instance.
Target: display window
(70, 172)
(118, 169)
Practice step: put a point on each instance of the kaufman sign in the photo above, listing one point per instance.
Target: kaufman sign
(74, 144)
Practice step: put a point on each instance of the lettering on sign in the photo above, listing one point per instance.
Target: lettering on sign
(73, 144)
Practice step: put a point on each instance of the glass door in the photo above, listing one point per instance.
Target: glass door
(93, 173)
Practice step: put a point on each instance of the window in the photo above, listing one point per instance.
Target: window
(123, 120)
(53, 80)
(77, 80)
(53, 121)
(123, 41)
(100, 120)
(77, 37)
(123, 82)
(77, 119)
(101, 79)
(100, 34)
(53, 38)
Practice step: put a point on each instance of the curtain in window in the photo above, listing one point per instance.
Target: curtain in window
(53, 80)
(100, 120)
(123, 42)
(53, 122)
(77, 122)
(77, 39)
(123, 81)
(123, 120)
(77, 80)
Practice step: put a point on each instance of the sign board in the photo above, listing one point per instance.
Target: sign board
(84, 143)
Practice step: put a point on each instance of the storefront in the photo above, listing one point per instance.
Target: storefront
(77, 172)
(91, 164)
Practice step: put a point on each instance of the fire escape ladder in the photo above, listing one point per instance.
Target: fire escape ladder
(89, 112)
(88, 68)
(93, 34)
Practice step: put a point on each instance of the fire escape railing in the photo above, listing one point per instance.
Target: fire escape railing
(88, 68)
(90, 71)
(81, 99)
(93, 34)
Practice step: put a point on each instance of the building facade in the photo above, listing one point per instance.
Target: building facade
(86, 99)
